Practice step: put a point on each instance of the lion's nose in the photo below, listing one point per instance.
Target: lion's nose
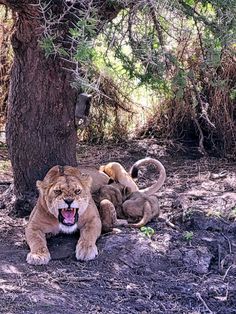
(68, 201)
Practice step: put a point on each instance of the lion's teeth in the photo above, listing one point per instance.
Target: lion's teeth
(69, 210)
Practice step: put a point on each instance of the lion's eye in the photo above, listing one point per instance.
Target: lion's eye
(77, 192)
(57, 192)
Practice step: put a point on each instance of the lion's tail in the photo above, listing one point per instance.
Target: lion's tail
(162, 174)
(147, 216)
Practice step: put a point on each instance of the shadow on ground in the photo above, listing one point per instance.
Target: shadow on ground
(190, 269)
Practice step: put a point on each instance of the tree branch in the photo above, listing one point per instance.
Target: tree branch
(190, 11)
(159, 33)
(16, 5)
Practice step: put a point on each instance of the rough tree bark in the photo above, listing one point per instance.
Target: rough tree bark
(40, 122)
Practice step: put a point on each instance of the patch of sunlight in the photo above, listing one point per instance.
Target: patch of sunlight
(132, 286)
(162, 242)
(5, 165)
(7, 287)
(9, 269)
(46, 298)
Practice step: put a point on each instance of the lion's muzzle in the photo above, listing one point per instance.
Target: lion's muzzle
(68, 216)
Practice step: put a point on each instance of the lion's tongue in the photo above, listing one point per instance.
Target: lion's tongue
(68, 216)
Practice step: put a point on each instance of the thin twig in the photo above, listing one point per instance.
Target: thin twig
(229, 243)
(227, 270)
(198, 295)
(219, 257)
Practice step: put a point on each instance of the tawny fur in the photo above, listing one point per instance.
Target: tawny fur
(140, 208)
(144, 204)
(44, 217)
(117, 172)
(141, 205)
(146, 162)
(109, 200)
(99, 178)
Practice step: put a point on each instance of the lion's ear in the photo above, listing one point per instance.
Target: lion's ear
(41, 185)
(38, 183)
(86, 180)
(102, 168)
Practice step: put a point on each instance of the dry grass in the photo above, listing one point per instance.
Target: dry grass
(111, 113)
(205, 116)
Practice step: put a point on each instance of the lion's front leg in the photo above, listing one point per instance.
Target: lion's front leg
(108, 216)
(86, 248)
(39, 254)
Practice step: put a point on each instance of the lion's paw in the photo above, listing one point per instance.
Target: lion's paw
(85, 251)
(38, 258)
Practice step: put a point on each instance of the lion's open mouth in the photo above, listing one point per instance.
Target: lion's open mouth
(68, 216)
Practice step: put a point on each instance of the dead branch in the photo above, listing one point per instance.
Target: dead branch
(198, 295)
(159, 33)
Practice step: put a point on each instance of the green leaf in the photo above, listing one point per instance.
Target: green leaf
(147, 231)
(188, 235)
(47, 45)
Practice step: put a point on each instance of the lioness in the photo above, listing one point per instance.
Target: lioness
(65, 204)
(141, 205)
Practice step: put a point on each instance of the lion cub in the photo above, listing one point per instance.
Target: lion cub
(141, 205)
(65, 204)
(118, 174)
(144, 204)
(109, 201)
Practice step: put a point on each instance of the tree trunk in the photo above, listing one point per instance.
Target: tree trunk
(40, 128)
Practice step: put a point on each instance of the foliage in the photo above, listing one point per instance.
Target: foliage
(69, 31)
(111, 113)
(185, 52)
(188, 236)
(181, 52)
(147, 231)
(47, 45)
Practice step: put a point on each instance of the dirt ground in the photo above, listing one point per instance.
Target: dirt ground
(190, 269)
